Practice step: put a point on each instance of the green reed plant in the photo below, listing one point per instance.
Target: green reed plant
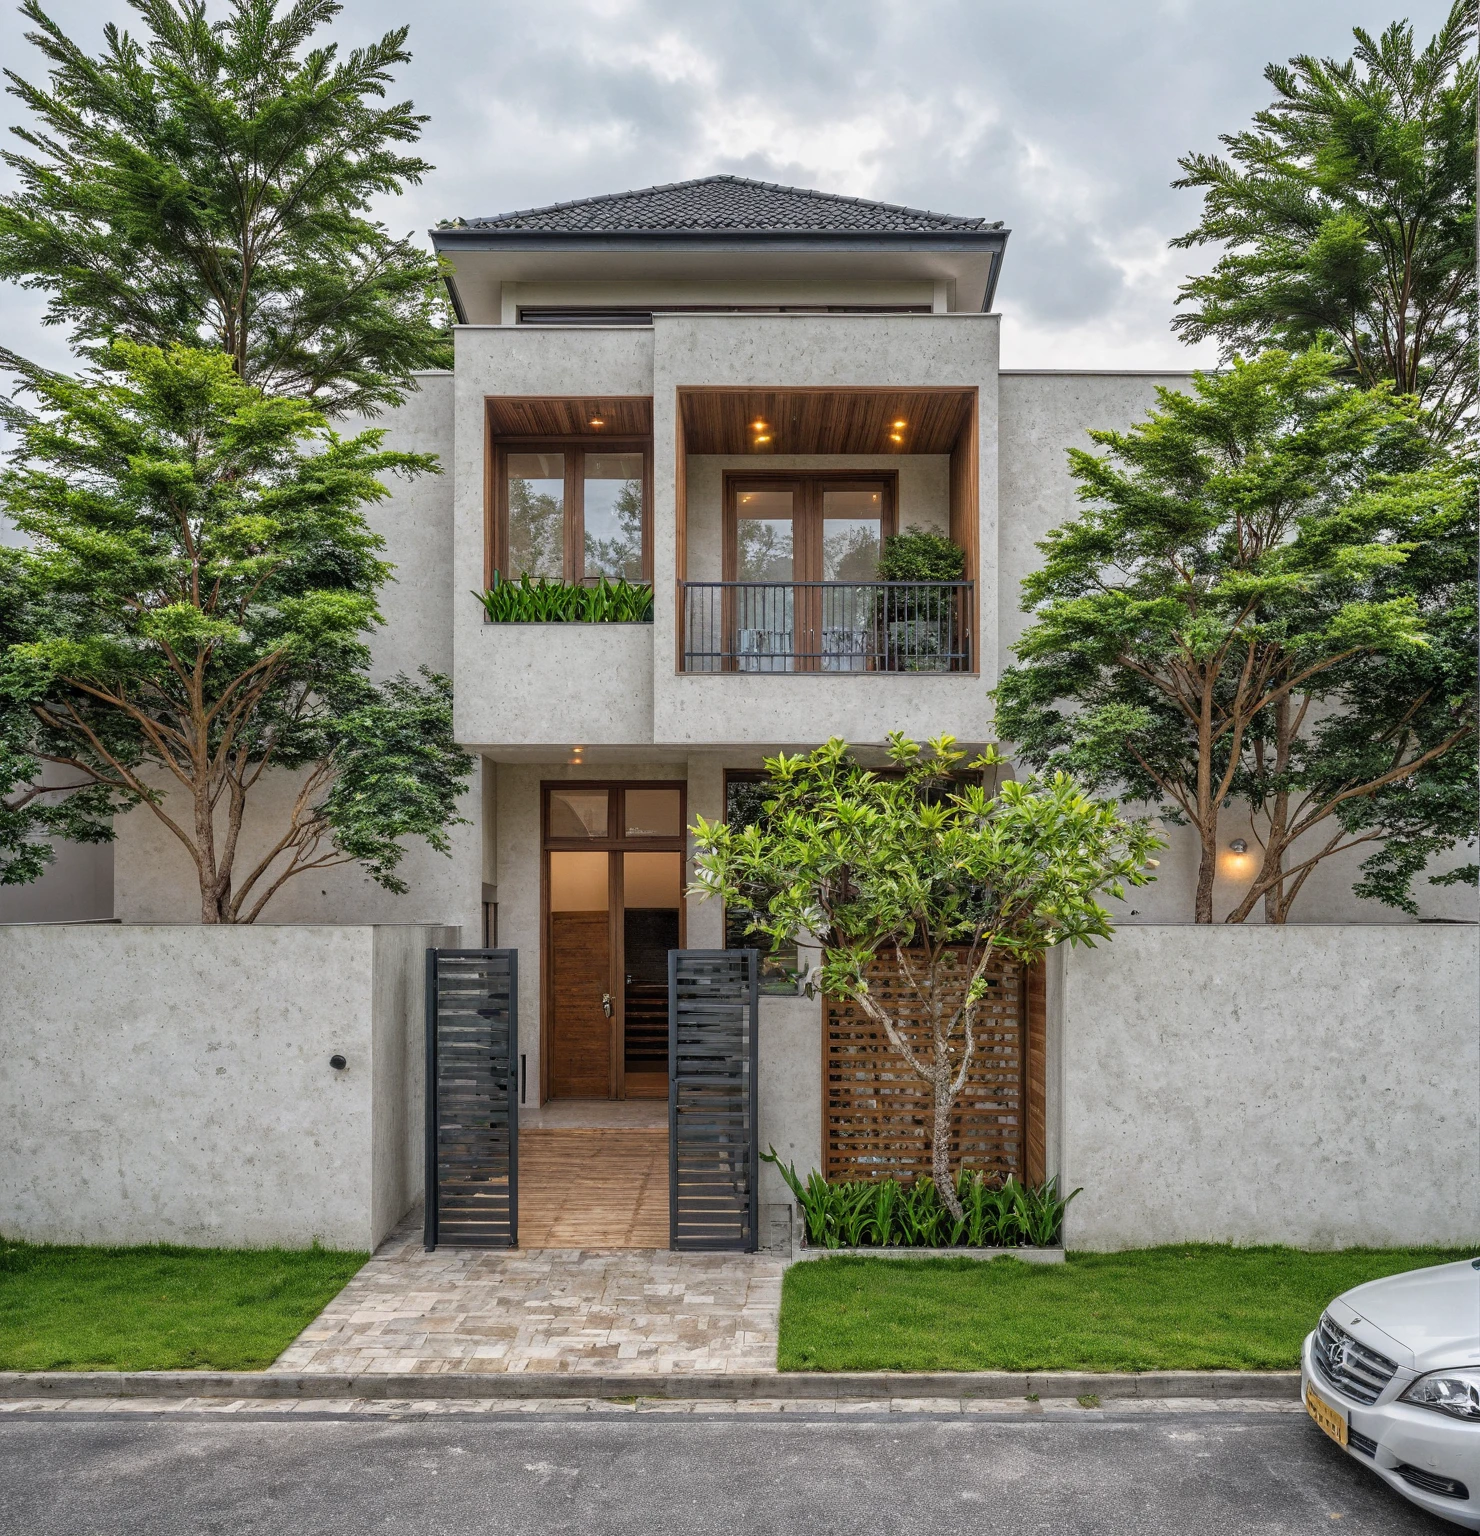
(543, 601)
(889, 1213)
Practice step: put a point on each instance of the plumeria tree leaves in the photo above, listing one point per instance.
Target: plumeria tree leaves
(1248, 608)
(202, 588)
(925, 864)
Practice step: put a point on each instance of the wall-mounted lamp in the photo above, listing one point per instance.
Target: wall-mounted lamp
(1238, 845)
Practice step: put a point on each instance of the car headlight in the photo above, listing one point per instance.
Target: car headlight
(1455, 1392)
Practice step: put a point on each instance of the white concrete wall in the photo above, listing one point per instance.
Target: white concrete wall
(556, 685)
(173, 1084)
(1317, 1086)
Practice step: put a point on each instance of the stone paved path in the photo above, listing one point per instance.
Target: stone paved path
(413, 1312)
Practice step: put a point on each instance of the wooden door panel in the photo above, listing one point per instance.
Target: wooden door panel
(580, 1036)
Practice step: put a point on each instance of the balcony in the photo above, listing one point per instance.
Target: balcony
(829, 627)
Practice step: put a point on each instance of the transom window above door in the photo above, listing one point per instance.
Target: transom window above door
(571, 512)
(807, 527)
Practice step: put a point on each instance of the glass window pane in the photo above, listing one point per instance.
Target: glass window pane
(578, 812)
(578, 882)
(763, 533)
(537, 515)
(652, 881)
(653, 813)
(613, 512)
(851, 535)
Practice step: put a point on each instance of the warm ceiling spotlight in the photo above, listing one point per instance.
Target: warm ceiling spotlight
(759, 426)
(896, 437)
(596, 421)
(901, 423)
(764, 438)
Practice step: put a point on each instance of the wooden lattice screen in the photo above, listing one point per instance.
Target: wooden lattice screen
(877, 1112)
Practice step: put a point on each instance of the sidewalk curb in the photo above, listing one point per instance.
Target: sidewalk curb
(546, 1384)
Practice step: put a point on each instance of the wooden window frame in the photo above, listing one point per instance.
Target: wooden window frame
(808, 486)
(574, 449)
(615, 842)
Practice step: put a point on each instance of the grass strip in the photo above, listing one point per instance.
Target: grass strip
(1192, 1307)
(159, 1308)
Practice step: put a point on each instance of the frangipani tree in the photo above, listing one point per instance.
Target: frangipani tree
(932, 868)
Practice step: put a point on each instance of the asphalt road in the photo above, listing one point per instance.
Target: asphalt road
(883, 1475)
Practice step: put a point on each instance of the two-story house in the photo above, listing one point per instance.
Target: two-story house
(735, 391)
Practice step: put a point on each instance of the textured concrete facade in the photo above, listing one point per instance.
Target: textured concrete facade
(173, 1084)
(1318, 1086)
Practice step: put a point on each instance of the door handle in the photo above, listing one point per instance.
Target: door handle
(606, 1004)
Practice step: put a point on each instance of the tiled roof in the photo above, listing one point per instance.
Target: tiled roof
(725, 204)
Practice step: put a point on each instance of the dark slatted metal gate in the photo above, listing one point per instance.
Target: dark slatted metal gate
(472, 1129)
(712, 1164)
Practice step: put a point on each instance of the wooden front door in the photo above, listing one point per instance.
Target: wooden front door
(580, 1027)
(613, 909)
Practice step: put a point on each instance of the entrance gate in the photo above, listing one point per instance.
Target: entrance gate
(472, 1097)
(713, 1171)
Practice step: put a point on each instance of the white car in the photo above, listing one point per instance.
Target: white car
(1392, 1374)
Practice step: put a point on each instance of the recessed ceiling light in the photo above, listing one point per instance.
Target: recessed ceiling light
(764, 438)
(901, 423)
(896, 437)
(759, 426)
(596, 421)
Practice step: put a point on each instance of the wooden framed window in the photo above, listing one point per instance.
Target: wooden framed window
(571, 510)
(823, 526)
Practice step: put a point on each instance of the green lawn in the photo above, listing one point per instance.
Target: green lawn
(1184, 1308)
(159, 1308)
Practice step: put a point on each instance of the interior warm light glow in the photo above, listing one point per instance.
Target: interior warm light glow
(896, 437)
(596, 421)
(759, 426)
(901, 423)
(765, 438)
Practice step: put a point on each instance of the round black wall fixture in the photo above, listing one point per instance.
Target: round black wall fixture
(338, 1062)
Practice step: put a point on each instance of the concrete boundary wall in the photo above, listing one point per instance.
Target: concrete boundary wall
(172, 1084)
(1317, 1086)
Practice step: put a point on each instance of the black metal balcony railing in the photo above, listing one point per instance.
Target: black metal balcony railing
(826, 626)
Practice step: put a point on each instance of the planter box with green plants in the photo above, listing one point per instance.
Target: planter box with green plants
(542, 601)
(888, 1218)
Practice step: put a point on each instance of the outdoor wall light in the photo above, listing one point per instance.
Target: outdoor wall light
(338, 1062)
(1238, 845)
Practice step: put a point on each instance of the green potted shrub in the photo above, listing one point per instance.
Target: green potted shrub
(919, 629)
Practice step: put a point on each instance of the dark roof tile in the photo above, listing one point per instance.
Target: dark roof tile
(724, 204)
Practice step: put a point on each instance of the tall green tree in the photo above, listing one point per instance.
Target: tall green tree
(202, 585)
(208, 184)
(1346, 214)
(930, 869)
(1267, 598)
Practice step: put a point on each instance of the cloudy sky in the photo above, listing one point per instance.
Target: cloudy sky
(1064, 118)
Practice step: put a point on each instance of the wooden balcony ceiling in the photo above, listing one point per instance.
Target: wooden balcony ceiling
(570, 416)
(763, 421)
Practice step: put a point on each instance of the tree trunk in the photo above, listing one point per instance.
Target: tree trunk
(940, 1150)
(1207, 870)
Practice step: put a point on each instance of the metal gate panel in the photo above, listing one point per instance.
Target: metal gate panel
(712, 1055)
(472, 1113)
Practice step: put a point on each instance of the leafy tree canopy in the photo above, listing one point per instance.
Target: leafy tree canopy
(208, 184)
(199, 589)
(1268, 596)
(1347, 217)
(931, 869)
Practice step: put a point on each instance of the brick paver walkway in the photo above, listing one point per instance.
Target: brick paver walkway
(551, 1309)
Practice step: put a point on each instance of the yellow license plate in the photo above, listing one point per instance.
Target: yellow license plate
(1332, 1420)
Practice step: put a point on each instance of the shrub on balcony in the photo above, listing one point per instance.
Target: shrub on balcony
(917, 627)
(564, 602)
(887, 1213)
